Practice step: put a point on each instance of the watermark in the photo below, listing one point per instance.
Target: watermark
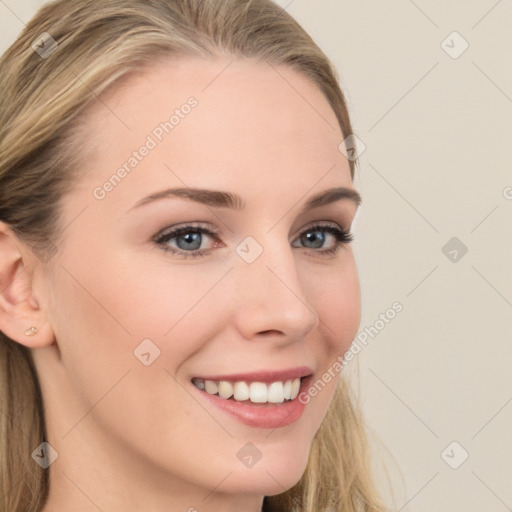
(454, 249)
(454, 45)
(454, 455)
(352, 147)
(146, 352)
(507, 193)
(43, 251)
(249, 455)
(45, 45)
(45, 455)
(156, 136)
(249, 249)
(360, 341)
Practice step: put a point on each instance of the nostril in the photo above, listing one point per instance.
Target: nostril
(271, 332)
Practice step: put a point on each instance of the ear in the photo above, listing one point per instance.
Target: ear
(20, 309)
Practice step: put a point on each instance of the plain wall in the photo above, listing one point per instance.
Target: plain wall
(437, 164)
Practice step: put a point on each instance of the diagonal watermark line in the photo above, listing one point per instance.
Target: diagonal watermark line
(217, 486)
(424, 13)
(204, 295)
(508, 506)
(96, 300)
(408, 202)
(404, 95)
(74, 218)
(485, 218)
(9, 283)
(11, 420)
(215, 7)
(217, 76)
(13, 13)
(49, 249)
(98, 98)
(312, 106)
(424, 279)
(206, 410)
(493, 287)
(276, 480)
(59, 236)
(97, 402)
(209, 208)
(410, 499)
(300, 199)
(487, 13)
(88, 497)
(410, 409)
(494, 416)
(285, 8)
(8, 491)
(492, 81)
(72, 71)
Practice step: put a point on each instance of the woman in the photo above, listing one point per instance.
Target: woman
(177, 285)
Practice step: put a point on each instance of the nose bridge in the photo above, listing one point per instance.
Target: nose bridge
(271, 295)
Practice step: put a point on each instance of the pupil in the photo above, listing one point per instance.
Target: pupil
(315, 239)
(190, 241)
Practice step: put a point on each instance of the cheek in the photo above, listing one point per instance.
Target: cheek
(118, 302)
(336, 298)
(105, 307)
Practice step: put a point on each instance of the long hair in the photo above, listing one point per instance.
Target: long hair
(66, 57)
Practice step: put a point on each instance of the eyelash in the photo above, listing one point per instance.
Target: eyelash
(342, 237)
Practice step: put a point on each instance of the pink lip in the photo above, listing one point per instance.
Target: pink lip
(266, 376)
(269, 416)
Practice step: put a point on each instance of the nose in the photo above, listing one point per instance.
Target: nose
(270, 300)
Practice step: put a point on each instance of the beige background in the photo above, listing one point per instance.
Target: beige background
(437, 164)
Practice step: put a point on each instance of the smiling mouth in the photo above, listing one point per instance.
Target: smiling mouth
(254, 392)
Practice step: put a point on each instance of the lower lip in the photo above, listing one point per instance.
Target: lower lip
(261, 415)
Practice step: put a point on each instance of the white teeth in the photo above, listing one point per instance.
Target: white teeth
(211, 387)
(295, 388)
(241, 391)
(257, 392)
(276, 393)
(288, 390)
(225, 389)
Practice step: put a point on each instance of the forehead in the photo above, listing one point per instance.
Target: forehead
(244, 123)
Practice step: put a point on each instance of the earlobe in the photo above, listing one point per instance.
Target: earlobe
(21, 316)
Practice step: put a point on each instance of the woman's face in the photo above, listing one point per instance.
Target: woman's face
(249, 290)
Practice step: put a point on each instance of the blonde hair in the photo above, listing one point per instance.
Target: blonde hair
(43, 97)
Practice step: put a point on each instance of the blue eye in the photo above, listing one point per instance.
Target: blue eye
(313, 239)
(188, 241)
(316, 237)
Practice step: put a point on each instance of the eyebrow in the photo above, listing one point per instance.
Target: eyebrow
(220, 199)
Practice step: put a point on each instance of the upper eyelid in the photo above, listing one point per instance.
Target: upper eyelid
(191, 226)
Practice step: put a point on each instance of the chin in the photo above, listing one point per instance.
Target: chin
(263, 483)
(274, 473)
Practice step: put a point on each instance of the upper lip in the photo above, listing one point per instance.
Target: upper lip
(266, 376)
